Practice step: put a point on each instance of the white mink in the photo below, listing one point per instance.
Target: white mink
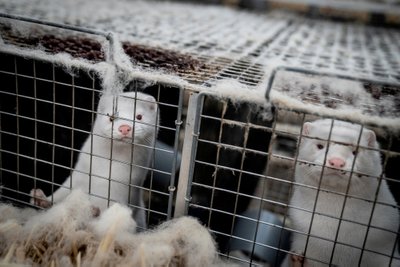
(342, 161)
(116, 155)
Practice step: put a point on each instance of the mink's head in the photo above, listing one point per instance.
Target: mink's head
(335, 150)
(130, 117)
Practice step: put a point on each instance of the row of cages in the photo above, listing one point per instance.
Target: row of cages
(374, 12)
(268, 182)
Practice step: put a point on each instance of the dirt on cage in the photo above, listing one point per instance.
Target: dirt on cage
(77, 47)
(82, 47)
(69, 235)
(161, 58)
(333, 93)
(381, 93)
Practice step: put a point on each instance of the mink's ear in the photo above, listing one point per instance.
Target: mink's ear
(151, 101)
(148, 97)
(307, 126)
(371, 137)
(153, 106)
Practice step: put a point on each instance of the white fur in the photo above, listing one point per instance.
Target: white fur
(14, 213)
(108, 163)
(116, 219)
(184, 237)
(358, 206)
(67, 234)
(356, 111)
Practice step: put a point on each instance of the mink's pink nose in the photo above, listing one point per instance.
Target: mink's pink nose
(336, 162)
(124, 129)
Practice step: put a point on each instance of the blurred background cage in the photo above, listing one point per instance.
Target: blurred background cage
(233, 87)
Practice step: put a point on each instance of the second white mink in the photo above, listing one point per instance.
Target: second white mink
(116, 156)
(343, 231)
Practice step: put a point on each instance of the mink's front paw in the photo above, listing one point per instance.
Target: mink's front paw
(297, 259)
(38, 198)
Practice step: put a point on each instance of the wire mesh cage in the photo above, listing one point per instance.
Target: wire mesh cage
(335, 220)
(231, 153)
(48, 114)
(279, 133)
(250, 192)
(28, 113)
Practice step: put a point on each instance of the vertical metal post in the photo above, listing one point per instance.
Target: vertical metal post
(188, 154)
(178, 124)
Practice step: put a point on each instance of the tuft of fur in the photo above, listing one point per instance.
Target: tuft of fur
(67, 234)
(14, 213)
(191, 243)
(117, 219)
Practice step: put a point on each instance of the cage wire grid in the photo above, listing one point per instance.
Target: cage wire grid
(68, 118)
(13, 74)
(268, 180)
(218, 187)
(265, 41)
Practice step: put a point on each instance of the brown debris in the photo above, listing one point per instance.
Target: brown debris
(82, 47)
(161, 58)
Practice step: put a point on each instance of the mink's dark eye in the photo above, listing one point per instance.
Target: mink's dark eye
(320, 146)
(139, 117)
(111, 117)
(354, 152)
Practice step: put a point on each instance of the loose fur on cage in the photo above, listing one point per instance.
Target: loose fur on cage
(69, 235)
